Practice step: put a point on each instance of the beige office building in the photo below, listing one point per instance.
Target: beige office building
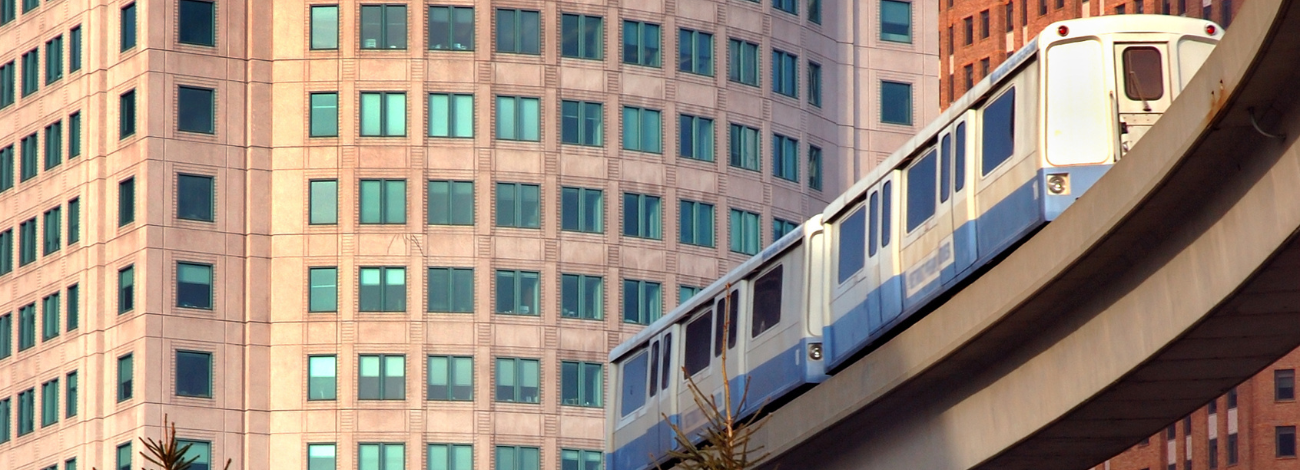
(399, 235)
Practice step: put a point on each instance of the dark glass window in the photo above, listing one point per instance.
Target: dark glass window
(785, 73)
(324, 202)
(451, 290)
(451, 202)
(1285, 441)
(381, 377)
(383, 114)
(193, 374)
(582, 210)
(851, 241)
(696, 223)
(125, 374)
(695, 137)
(29, 166)
(581, 384)
(194, 196)
(695, 52)
(785, 157)
(920, 191)
(323, 289)
(896, 103)
(127, 28)
(1284, 384)
(451, 28)
(984, 24)
(125, 289)
(71, 399)
(582, 296)
(125, 201)
(581, 123)
(53, 145)
(518, 205)
(53, 228)
(635, 372)
(382, 289)
(31, 72)
(126, 114)
(641, 43)
(581, 36)
(518, 31)
(322, 377)
(451, 378)
(383, 27)
(74, 307)
(1143, 73)
(74, 135)
(325, 114)
(815, 84)
(518, 380)
(767, 302)
(642, 301)
(699, 339)
(968, 26)
(788, 6)
(383, 201)
(194, 285)
(641, 216)
(198, 21)
(53, 60)
(999, 139)
(742, 62)
(518, 292)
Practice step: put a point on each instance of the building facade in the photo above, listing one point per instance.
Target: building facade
(387, 235)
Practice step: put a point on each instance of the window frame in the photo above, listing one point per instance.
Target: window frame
(211, 287)
(577, 115)
(575, 394)
(181, 195)
(521, 128)
(635, 134)
(516, 292)
(458, 293)
(740, 70)
(451, 44)
(577, 26)
(382, 40)
(182, 28)
(453, 362)
(450, 125)
(637, 36)
(312, 288)
(690, 218)
(517, 386)
(381, 393)
(383, 128)
(384, 212)
(648, 216)
(581, 201)
(518, 17)
(746, 234)
(646, 298)
(453, 201)
(692, 39)
(520, 215)
(384, 303)
(576, 300)
(313, 32)
(210, 366)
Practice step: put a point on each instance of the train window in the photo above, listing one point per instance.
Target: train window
(872, 227)
(920, 191)
(697, 343)
(634, 375)
(667, 363)
(767, 302)
(886, 196)
(999, 139)
(731, 305)
(851, 245)
(1143, 73)
(733, 312)
(959, 164)
(945, 167)
(654, 368)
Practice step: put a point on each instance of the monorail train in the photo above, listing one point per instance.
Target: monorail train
(1003, 160)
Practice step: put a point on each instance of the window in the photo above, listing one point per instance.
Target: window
(518, 118)
(199, 453)
(984, 67)
(582, 210)
(325, 27)
(323, 295)
(896, 103)
(31, 72)
(124, 456)
(7, 84)
(53, 60)
(744, 232)
(785, 73)
(896, 21)
(968, 25)
(642, 302)
(1138, 6)
(6, 251)
(8, 11)
(324, 115)
(324, 202)
(696, 137)
(29, 166)
(518, 458)
(382, 289)
(383, 114)
(126, 114)
(381, 377)
(815, 84)
(125, 371)
(518, 205)
(53, 220)
(921, 191)
(193, 374)
(125, 289)
(582, 296)
(27, 242)
(984, 24)
(1213, 444)
(969, 73)
(70, 395)
(1285, 441)
(518, 292)
(451, 115)
(1042, 8)
(581, 36)
(1283, 384)
(814, 167)
(451, 378)
(451, 28)
(634, 384)
(49, 403)
(1225, 13)
(194, 198)
(322, 377)
(696, 223)
(1008, 15)
(322, 457)
(6, 417)
(699, 338)
(780, 227)
(74, 135)
(999, 139)
(785, 157)
(451, 290)
(518, 31)
(389, 456)
(197, 25)
(788, 6)
(6, 168)
(695, 52)
(641, 216)
(127, 30)
(27, 326)
(29, 5)
(26, 412)
(1232, 449)
(383, 201)
(517, 380)
(194, 285)
(640, 43)
(6, 336)
(1145, 66)
(641, 130)
(74, 307)
(742, 62)
(71, 464)
(580, 123)
(383, 26)
(451, 457)
(581, 384)
(50, 317)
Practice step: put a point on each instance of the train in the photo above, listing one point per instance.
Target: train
(1003, 160)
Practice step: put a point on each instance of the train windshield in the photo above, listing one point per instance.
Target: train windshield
(1143, 73)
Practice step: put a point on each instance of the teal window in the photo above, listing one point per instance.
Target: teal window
(322, 457)
(74, 307)
(581, 384)
(53, 228)
(642, 130)
(451, 28)
(518, 458)
(815, 11)
(815, 84)
(125, 289)
(581, 36)
(381, 377)
(8, 11)
(6, 335)
(323, 295)
(74, 135)
(451, 378)
(31, 72)
(198, 453)
(197, 26)
(29, 163)
(642, 301)
(383, 201)
(696, 137)
(70, 394)
(642, 216)
(744, 232)
(581, 123)
(451, 115)
(896, 21)
(126, 114)
(71, 464)
(53, 60)
(896, 103)
(451, 290)
(7, 80)
(6, 251)
(451, 202)
(518, 31)
(517, 205)
(695, 52)
(127, 28)
(50, 403)
(582, 296)
(696, 223)
(785, 73)
(196, 110)
(193, 374)
(518, 292)
(29, 5)
(27, 326)
(685, 293)
(518, 380)
(641, 43)
(125, 377)
(388, 456)
(324, 202)
(325, 27)
(518, 118)
(788, 6)
(785, 157)
(582, 210)
(26, 412)
(124, 456)
(325, 114)
(74, 49)
(571, 459)
(382, 289)
(383, 27)
(742, 62)
(814, 167)
(744, 147)
(194, 198)
(125, 201)
(451, 457)
(50, 317)
(6, 417)
(383, 114)
(27, 240)
(194, 285)
(781, 227)
(6, 168)
(322, 377)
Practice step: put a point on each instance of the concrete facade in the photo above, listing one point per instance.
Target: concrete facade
(258, 244)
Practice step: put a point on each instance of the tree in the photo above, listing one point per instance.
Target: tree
(167, 453)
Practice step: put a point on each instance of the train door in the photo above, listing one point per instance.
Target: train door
(1142, 88)
(927, 244)
(891, 279)
(699, 365)
(731, 322)
(964, 247)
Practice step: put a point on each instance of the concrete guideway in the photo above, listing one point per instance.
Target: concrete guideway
(1174, 278)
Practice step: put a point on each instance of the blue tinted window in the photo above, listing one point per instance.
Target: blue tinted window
(851, 242)
(999, 139)
(886, 197)
(634, 384)
(873, 227)
(959, 167)
(920, 191)
(945, 168)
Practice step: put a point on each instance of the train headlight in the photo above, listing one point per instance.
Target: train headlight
(1058, 184)
(815, 351)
